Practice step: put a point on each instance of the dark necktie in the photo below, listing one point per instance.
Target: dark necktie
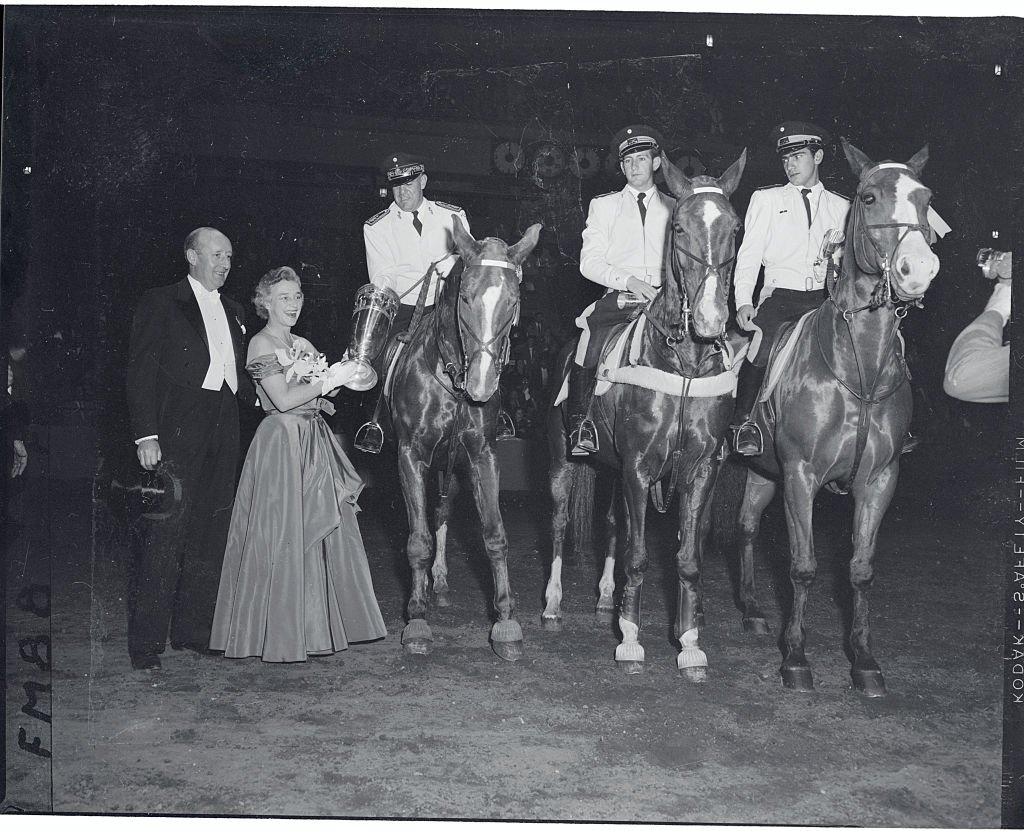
(419, 225)
(642, 206)
(807, 204)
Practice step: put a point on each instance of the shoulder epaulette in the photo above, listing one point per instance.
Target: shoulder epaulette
(376, 217)
(610, 193)
(448, 206)
(771, 187)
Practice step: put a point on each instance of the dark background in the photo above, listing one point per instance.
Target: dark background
(125, 128)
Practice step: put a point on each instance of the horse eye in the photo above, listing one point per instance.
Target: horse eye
(868, 199)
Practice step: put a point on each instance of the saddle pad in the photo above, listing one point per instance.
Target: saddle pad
(612, 356)
(782, 354)
(614, 371)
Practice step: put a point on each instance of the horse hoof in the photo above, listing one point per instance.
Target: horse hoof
(508, 650)
(869, 682)
(756, 626)
(417, 637)
(695, 675)
(632, 667)
(798, 678)
(443, 598)
(551, 624)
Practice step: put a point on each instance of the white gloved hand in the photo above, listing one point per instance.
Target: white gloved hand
(338, 375)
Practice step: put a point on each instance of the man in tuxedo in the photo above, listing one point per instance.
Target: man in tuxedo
(186, 369)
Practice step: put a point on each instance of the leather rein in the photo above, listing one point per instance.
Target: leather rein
(884, 294)
(677, 333)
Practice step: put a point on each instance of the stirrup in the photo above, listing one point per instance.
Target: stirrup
(747, 439)
(506, 428)
(369, 438)
(583, 438)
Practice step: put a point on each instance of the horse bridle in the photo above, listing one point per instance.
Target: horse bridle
(889, 296)
(683, 327)
(458, 374)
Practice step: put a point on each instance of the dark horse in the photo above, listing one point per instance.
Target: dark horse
(443, 400)
(839, 413)
(649, 434)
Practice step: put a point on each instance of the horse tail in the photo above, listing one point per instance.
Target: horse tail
(581, 509)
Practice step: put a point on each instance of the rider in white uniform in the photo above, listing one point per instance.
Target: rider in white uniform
(623, 250)
(783, 232)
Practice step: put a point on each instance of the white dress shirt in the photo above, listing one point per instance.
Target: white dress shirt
(397, 256)
(617, 245)
(776, 235)
(218, 339)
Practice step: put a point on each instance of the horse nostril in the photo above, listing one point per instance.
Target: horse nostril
(905, 269)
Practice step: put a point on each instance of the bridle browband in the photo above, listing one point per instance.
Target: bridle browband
(888, 295)
(500, 352)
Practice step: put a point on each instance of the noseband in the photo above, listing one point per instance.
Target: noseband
(498, 346)
(683, 327)
(885, 293)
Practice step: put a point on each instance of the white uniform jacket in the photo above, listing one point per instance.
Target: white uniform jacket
(616, 245)
(776, 235)
(397, 257)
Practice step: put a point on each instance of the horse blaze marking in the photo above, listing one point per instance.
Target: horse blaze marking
(489, 300)
(904, 209)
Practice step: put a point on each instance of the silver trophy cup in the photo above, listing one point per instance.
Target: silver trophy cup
(372, 316)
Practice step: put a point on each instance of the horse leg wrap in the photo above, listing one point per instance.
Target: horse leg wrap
(691, 656)
(630, 648)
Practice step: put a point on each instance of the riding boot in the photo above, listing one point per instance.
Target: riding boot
(747, 439)
(582, 432)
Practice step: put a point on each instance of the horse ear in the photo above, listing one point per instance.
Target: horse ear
(674, 177)
(521, 250)
(730, 180)
(918, 161)
(464, 242)
(858, 161)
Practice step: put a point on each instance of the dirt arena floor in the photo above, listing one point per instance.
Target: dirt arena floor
(562, 735)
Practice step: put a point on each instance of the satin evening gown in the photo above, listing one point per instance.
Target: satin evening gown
(295, 580)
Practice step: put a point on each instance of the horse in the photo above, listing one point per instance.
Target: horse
(443, 403)
(648, 434)
(839, 411)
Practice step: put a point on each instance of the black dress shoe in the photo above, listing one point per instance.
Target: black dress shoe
(192, 646)
(147, 661)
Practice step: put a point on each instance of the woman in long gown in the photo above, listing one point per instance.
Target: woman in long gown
(295, 580)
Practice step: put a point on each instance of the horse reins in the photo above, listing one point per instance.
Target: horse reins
(878, 299)
(886, 260)
(672, 340)
(458, 374)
